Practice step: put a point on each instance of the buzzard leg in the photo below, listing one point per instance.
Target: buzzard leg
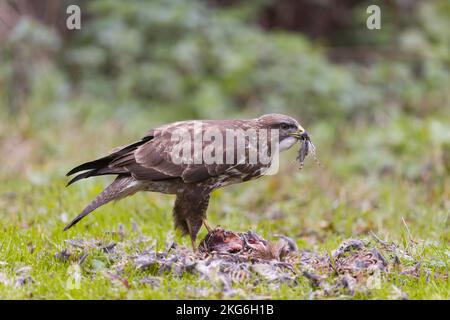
(207, 226)
(189, 211)
(192, 235)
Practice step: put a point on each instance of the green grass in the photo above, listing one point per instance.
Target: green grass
(380, 128)
(319, 207)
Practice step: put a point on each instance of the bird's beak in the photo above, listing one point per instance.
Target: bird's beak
(300, 134)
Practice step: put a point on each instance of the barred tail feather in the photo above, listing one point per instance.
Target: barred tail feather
(122, 187)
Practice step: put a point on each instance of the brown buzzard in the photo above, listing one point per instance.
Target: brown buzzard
(149, 165)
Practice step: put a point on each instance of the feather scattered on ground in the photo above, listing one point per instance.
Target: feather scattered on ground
(226, 258)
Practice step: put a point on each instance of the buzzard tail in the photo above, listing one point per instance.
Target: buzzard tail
(122, 187)
(101, 166)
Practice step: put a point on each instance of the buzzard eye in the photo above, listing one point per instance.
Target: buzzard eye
(284, 126)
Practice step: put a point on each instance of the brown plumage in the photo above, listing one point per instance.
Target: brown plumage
(147, 165)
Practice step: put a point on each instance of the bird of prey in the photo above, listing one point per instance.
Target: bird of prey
(148, 165)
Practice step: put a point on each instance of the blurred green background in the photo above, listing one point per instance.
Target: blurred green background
(376, 103)
(381, 95)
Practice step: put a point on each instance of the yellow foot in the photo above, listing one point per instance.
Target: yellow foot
(207, 226)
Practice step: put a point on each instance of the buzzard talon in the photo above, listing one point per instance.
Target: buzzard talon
(147, 165)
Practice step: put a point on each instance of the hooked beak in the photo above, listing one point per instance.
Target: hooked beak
(300, 134)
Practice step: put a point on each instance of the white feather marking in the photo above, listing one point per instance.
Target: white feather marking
(287, 143)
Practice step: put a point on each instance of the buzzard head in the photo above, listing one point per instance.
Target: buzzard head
(290, 131)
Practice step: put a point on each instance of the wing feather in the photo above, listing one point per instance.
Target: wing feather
(153, 159)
